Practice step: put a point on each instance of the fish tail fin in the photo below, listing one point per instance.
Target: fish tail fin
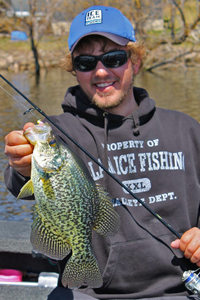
(108, 221)
(82, 271)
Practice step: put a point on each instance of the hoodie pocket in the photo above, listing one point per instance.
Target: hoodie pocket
(143, 266)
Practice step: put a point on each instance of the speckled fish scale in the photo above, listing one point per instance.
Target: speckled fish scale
(69, 205)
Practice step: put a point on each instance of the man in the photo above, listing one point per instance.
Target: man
(155, 152)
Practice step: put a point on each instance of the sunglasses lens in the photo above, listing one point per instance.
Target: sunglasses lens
(114, 59)
(85, 63)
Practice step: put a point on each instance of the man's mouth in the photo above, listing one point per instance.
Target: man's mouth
(105, 84)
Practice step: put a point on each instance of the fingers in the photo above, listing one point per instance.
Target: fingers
(15, 138)
(17, 146)
(23, 166)
(19, 151)
(27, 125)
(175, 244)
(190, 245)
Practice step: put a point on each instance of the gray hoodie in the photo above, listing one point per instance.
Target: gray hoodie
(155, 152)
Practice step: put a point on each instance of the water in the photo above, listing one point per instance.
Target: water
(176, 89)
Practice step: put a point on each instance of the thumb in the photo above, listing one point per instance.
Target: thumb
(27, 125)
(175, 244)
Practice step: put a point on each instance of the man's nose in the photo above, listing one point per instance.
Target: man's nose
(101, 70)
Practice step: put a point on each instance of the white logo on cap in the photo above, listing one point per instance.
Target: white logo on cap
(93, 17)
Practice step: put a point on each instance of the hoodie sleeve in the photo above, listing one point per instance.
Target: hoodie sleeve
(14, 181)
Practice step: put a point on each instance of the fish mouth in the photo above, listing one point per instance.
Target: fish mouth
(41, 132)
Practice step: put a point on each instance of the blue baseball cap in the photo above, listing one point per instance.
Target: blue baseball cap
(101, 20)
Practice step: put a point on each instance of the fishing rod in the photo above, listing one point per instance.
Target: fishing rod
(93, 158)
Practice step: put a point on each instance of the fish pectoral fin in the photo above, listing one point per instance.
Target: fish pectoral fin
(26, 190)
(82, 271)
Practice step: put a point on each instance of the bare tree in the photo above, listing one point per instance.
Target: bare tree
(40, 15)
(164, 50)
(163, 47)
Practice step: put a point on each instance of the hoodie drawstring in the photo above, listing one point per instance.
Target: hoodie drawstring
(136, 121)
(105, 156)
(136, 132)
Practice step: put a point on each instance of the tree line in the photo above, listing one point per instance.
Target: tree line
(175, 39)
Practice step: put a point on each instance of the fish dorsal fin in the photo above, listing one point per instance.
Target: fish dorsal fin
(108, 221)
(26, 190)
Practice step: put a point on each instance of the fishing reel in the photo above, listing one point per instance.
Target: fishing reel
(192, 281)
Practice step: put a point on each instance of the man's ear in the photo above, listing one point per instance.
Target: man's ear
(136, 67)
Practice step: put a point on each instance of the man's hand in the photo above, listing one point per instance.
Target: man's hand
(190, 245)
(19, 151)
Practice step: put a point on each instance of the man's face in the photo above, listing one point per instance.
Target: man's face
(107, 88)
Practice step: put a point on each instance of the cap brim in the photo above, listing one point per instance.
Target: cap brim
(113, 37)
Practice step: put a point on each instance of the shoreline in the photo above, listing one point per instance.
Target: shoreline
(17, 61)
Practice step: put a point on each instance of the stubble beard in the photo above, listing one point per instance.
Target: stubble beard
(106, 103)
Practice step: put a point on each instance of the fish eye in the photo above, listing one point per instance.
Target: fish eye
(52, 143)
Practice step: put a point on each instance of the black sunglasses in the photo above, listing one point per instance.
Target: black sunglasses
(112, 59)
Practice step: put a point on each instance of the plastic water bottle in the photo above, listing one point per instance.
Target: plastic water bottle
(48, 279)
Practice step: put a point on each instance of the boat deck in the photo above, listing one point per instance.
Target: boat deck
(8, 292)
(16, 253)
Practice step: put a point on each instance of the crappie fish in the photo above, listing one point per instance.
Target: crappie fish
(68, 206)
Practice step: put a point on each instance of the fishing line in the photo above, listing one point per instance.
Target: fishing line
(27, 109)
(95, 160)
